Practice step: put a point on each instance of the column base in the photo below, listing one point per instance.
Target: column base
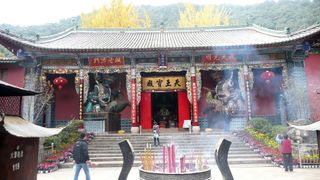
(196, 129)
(135, 130)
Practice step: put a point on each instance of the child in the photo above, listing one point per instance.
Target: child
(156, 133)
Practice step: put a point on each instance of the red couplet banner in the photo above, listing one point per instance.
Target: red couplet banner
(183, 108)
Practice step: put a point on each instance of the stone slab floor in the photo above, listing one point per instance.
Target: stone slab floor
(240, 172)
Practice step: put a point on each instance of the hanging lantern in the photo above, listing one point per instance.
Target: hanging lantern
(267, 76)
(60, 82)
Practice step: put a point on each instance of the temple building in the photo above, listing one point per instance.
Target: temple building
(218, 77)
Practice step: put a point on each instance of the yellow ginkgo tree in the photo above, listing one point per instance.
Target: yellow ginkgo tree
(117, 15)
(209, 15)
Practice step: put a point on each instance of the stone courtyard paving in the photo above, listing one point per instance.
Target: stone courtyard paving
(239, 173)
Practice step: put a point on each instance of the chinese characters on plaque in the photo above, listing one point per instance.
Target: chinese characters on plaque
(16, 154)
(134, 100)
(162, 59)
(218, 59)
(106, 61)
(164, 83)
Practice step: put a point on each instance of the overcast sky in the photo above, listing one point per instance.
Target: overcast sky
(36, 12)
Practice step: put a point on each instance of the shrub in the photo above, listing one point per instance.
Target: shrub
(67, 136)
(261, 124)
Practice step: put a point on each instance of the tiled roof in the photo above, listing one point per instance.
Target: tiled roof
(144, 40)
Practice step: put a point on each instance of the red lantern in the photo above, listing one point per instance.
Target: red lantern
(60, 82)
(267, 76)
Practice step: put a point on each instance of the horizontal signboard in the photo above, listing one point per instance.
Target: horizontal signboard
(106, 61)
(207, 59)
(164, 83)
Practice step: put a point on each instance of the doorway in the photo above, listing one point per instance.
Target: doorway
(165, 109)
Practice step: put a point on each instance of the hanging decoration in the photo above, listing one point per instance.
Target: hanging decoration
(60, 82)
(267, 76)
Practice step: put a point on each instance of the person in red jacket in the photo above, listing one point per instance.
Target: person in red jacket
(286, 151)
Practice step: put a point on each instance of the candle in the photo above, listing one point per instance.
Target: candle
(163, 158)
(173, 160)
(169, 159)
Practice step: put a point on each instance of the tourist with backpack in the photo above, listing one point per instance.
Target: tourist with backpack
(81, 157)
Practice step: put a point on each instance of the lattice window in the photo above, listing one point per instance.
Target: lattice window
(10, 105)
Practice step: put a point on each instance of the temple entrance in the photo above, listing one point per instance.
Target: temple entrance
(165, 109)
(161, 94)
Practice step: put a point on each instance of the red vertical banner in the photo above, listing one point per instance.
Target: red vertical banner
(183, 108)
(133, 103)
(194, 101)
(145, 110)
(81, 88)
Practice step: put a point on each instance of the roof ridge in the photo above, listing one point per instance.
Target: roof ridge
(272, 32)
(314, 26)
(59, 34)
(8, 33)
(160, 29)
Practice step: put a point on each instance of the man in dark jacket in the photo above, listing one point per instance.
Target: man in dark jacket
(286, 151)
(81, 157)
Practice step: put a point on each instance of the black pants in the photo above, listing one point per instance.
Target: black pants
(156, 141)
(287, 162)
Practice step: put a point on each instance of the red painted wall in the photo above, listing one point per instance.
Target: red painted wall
(312, 66)
(183, 107)
(145, 110)
(15, 74)
(126, 113)
(67, 102)
(263, 100)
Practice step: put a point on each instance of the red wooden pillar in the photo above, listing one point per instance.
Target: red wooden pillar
(183, 108)
(134, 123)
(194, 98)
(145, 110)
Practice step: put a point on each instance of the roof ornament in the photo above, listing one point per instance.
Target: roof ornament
(288, 31)
(162, 27)
(37, 36)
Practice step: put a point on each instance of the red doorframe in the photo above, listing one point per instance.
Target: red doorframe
(183, 107)
(145, 110)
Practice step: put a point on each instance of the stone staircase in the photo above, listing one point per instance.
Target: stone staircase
(104, 150)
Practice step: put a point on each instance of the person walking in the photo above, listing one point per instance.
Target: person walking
(286, 151)
(81, 157)
(156, 134)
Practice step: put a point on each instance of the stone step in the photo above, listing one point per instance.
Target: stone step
(231, 153)
(138, 163)
(146, 133)
(105, 152)
(183, 148)
(140, 148)
(168, 140)
(159, 157)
